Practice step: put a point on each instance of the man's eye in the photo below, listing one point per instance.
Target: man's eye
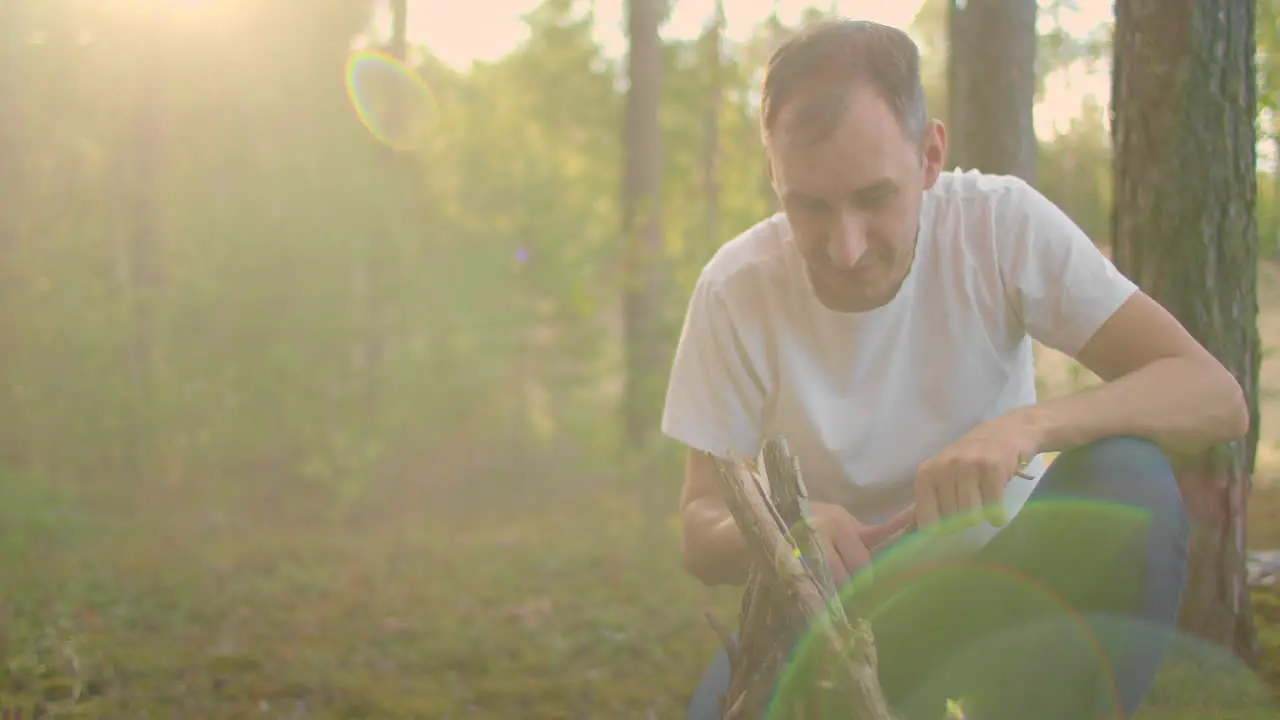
(875, 200)
(814, 205)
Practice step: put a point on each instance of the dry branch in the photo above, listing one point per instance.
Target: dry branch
(789, 600)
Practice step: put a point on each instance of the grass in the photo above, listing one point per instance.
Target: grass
(411, 604)
(426, 609)
(526, 599)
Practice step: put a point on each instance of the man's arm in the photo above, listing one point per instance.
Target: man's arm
(714, 402)
(713, 548)
(1159, 383)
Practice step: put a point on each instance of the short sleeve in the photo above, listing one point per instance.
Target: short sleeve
(1059, 284)
(714, 398)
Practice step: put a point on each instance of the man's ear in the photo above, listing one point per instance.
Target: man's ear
(933, 151)
(773, 179)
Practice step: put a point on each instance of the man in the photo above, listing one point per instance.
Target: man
(882, 324)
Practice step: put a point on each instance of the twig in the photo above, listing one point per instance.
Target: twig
(793, 500)
(78, 688)
(786, 597)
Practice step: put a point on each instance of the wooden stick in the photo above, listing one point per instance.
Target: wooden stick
(788, 601)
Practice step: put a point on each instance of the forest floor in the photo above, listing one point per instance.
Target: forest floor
(569, 606)
(418, 601)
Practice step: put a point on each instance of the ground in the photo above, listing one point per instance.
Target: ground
(415, 601)
(410, 606)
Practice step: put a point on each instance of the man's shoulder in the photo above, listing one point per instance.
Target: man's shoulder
(995, 191)
(979, 211)
(754, 260)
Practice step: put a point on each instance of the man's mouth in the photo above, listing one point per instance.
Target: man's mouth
(860, 273)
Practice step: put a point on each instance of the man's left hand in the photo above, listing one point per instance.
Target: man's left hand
(967, 479)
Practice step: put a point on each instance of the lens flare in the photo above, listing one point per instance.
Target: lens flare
(392, 101)
(964, 637)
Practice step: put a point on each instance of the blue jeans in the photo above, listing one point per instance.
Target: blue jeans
(1065, 615)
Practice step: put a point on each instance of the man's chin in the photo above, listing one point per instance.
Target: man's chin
(843, 300)
(844, 303)
(841, 294)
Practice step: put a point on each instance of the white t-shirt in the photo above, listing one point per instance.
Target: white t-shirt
(863, 399)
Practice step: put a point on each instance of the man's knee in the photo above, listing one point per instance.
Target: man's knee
(1129, 471)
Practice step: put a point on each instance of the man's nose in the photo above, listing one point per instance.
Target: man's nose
(848, 241)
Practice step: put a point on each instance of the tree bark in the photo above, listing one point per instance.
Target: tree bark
(713, 49)
(373, 259)
(370, 269)
(399, 45)
(142, 243)
(645, 351)
(1185, 229)
(790, 602)
(777, 34)
(12, 24)
(992, 86)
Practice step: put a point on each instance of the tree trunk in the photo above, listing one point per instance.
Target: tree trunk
(369, 272)
(1185, 229)
(992, 86)
(646, 353)
(790, 598)
(399, 47)
(777, 34)
(713, 50)
(12, 23)
(142, 166)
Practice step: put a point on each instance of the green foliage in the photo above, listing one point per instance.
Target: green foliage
(233, 279)
(1060, 49)
(1075, 171)
(930, 31)
(1268, 42)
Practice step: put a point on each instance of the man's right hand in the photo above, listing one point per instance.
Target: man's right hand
(715, 552)
(847, 543)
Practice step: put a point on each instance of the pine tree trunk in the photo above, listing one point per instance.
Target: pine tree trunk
(141, 167)
(1185, 229)
(12, 24)
(992, 86)
(789, 598)
(713, 48)
(645, 352)
(777, 34)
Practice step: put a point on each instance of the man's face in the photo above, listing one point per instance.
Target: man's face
(853, 198)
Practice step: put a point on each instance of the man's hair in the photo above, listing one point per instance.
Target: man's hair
(826, 60)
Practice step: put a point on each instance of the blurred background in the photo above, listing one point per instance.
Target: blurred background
(328, 387)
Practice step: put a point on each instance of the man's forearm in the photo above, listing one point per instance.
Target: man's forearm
(1183, 404)
(714, 549)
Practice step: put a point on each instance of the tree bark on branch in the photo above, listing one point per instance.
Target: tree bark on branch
(797, 655)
